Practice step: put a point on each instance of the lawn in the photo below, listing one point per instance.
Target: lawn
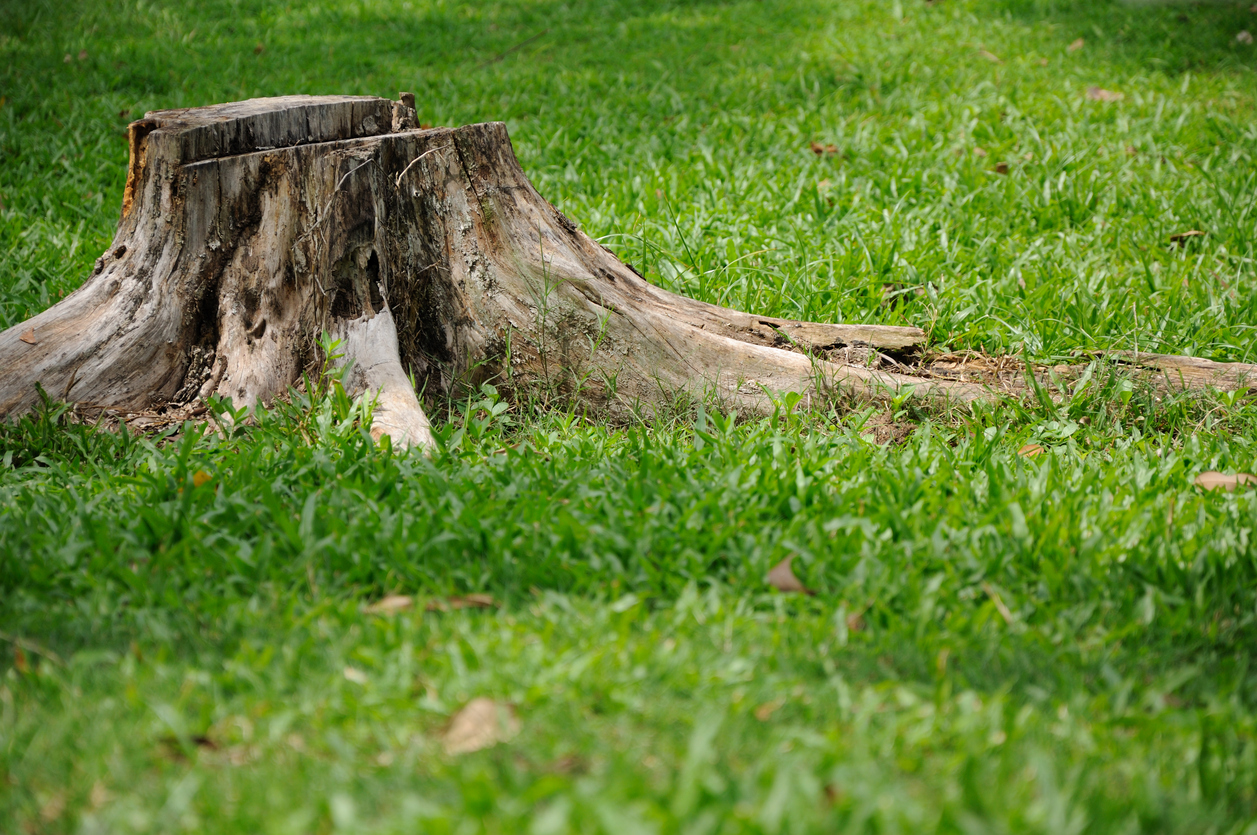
(1062, 643)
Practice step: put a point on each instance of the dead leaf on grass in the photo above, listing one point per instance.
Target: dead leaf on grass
(1213, 480)
(394, 603)
(1244, 37)
(172, 748)
(767, 709)
(389, 605)
(1076, 45)
(979, 152)
(466, 601)
(855, 620)
(1030, 451)
(990, 56)
(1001, 168)
(482, 723)
(782, 578)
(19, 660)
(52, 809)
(355, 675)
(1184, 237)
(28, 336)
(822, 150)
(1101, 94)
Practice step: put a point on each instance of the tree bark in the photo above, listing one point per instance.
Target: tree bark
(248, 229)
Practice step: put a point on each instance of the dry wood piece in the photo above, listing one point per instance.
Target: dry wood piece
(249, 229)
(1183, 237)
(1190, 372)
(1213, 480)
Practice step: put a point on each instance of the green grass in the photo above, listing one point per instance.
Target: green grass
(998, 644)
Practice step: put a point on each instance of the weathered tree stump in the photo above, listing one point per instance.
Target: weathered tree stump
(248, 229)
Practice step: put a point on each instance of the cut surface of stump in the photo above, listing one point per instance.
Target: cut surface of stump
(249, 229)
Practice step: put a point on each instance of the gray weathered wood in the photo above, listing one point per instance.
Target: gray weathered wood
(248, 229)
(1191, 372)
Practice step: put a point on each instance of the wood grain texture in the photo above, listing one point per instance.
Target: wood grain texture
(1190, 372)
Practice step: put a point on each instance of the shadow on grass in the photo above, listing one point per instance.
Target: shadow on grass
(1170, 37)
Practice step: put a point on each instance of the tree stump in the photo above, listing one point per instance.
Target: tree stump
(249, 229)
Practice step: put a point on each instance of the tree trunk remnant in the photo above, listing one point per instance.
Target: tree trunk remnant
(249, 229)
